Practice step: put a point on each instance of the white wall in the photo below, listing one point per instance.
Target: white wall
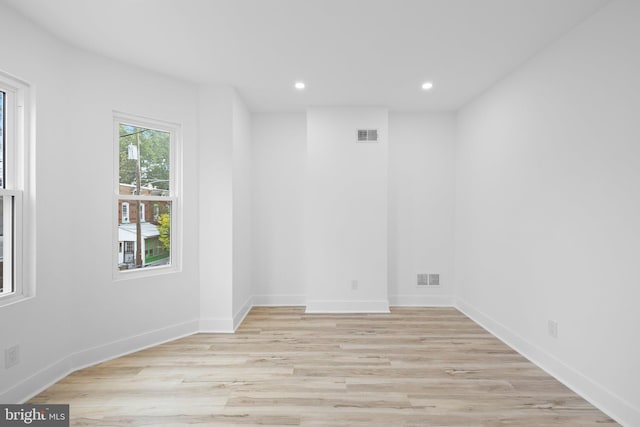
(242, 210)
(547, 223)
(279, 152)
(79, 315)
(215, 172)
(346, 210)
(41, 325)
(135, 306)
(421, 206)
(224, 170)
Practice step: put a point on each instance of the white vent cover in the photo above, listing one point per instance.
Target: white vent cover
(367, 135)
(428, 280)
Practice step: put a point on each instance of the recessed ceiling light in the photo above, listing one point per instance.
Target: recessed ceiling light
(427, 85)
(299, 85)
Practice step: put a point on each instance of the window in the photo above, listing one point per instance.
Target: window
(6, 283)
(142, 212)
(14, 155)
(146, 174)
(125, 213)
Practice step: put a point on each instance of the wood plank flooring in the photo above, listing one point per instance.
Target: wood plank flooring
(413, 367)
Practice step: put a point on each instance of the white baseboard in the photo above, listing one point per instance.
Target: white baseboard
(332, 306)
(132, 344)
(41, 380)
(221, 325)
(38, 382)
(600, 397)
(279, 300)
(421, 300)
(240, 315)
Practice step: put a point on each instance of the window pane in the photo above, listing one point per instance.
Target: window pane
(153, 236)
(6, 227)
(144, 161)
(2, 145)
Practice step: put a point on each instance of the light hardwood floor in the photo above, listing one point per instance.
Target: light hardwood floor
(413, 367)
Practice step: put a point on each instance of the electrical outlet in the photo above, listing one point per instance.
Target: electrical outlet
(354, 285)
(11, 356)
(553, 328)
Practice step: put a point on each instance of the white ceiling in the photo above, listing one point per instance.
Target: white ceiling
(349, 52)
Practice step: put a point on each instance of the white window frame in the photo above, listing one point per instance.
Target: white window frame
(175, 191)
(19, 240)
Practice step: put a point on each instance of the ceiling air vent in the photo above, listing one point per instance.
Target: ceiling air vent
(367, 135)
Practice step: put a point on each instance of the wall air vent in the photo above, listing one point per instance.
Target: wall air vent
(428, 280)
(367, 135)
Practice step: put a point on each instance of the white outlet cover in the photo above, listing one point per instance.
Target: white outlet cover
(11, 356)
(553, 328)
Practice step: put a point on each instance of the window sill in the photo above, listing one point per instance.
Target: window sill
(8, 300)
(122, 275)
